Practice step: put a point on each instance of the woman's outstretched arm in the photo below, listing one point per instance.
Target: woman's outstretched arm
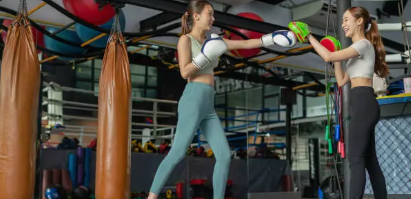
(341, 55)
(284, 38)
(243, 44)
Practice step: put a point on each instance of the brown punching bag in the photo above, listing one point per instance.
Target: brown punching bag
(19, 94)
(114, 121)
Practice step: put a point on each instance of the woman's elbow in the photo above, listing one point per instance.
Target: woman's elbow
(327, 58)
(184, 74)
(341, 84)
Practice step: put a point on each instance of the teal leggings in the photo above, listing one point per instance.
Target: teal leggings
(196, 110)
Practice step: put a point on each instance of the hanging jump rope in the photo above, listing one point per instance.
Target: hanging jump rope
(336, 103)
(334, 106)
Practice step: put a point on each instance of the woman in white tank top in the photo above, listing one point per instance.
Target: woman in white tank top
(365, 57)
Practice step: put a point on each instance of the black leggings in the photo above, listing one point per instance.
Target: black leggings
(365, 113)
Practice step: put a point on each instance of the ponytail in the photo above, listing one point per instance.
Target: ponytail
(187, 22)
(185, 27)
(372, 34)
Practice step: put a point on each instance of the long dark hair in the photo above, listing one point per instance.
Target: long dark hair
(370, 27)
(194, 6)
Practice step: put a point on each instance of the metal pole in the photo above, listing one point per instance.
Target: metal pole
(226, 109)
(40, 108)
(288, 134)
(342, 6)
(39, 118)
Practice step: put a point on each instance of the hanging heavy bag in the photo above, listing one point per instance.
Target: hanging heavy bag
(19, 94)
(114, 120)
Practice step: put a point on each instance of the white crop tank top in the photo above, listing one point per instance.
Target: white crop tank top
(363, 65)
(195, 50)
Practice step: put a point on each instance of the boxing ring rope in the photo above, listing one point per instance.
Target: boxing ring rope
(93, 107)
(254, 122)
(255, 128)
(56, 104)
(232, 130)
(90, 131)
(80, 131)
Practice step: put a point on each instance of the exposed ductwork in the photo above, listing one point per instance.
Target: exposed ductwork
(240, 2)
(233, 2)
(272, 2)
(228, 2)
(314, 13)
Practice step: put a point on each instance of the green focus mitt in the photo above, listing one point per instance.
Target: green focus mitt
(301, 30)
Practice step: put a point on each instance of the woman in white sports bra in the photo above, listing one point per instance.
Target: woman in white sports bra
(198, 56)
(365, 57)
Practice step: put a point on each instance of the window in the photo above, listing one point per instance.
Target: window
(152, 81)
(143, 78)
(137, 69)
(83, 70)
(96, 86)
(84, 85)
(272, 102)
(137, 92)
(151, 93)
(270, 89)
(152, 71)
(253, 97)
(98, 63)
(138, 80)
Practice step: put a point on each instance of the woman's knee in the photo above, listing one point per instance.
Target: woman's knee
(224, 157)
(175, 155)
(356, 160)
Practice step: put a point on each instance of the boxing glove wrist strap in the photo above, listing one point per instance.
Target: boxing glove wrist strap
(267, 40)
(200, 61)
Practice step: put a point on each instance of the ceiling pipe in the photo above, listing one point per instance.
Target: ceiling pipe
(225, 2)
(233, 2)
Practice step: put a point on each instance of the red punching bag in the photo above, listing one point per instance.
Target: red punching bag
(250, 34)
(6, 22)
(89, 11)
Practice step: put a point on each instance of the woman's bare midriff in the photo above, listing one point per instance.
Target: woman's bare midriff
(202, 78)
(361, 81)
(209, 79)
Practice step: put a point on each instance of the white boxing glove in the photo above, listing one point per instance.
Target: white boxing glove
(284, 38)
(213, 48)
